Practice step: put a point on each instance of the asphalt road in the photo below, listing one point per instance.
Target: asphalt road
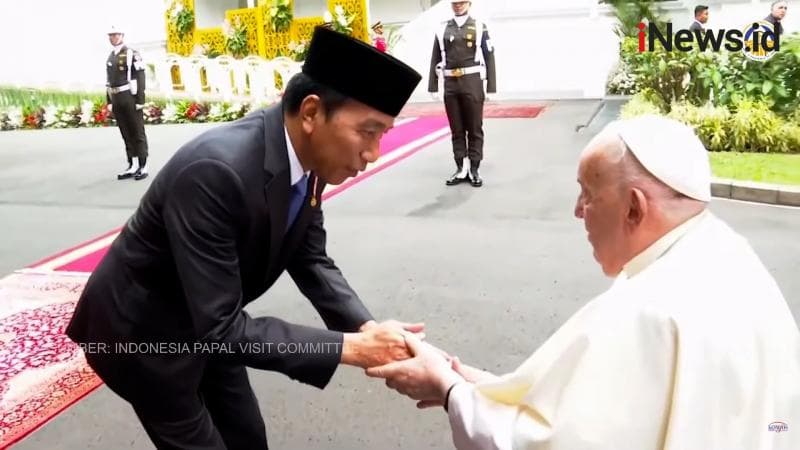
(492, 271)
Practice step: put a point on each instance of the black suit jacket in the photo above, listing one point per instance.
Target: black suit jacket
(776, 24)
(206, 239)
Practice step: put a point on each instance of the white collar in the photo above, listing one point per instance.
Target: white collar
(295, 168)
(659, 247)
(699, 23)
(117, 48)
(461, 20)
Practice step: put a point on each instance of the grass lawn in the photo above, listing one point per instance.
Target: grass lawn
(761, 167)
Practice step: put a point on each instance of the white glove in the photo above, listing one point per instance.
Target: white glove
(139, 107)
(435, 96)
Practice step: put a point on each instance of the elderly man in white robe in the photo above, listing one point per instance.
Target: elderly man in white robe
(693, 347)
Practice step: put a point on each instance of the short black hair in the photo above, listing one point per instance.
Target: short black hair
(699, 8)
(301, 86)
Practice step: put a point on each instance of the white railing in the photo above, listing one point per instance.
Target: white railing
(201, 78)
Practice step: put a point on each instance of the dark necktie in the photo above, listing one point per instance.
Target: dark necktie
(296, 200)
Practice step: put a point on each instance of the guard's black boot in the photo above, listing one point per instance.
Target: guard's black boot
(129, 172)
(459, 176)
(141, 174)
(474, 176)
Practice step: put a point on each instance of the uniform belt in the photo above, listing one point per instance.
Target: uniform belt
(461, 71)
(118, 89)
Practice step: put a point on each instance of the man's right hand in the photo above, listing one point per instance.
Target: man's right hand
(435, 96)
(110, 107)
(375, 346)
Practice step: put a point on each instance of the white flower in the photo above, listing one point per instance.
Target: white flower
(339, 10)
(177, 10)
(15, 117)
(65, 119)
(215, 112)
(342, 21)
(327, 17)
(86, 112)
(169, 114)
(50, 115)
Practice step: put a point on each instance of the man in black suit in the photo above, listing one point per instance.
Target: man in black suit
(232, 210)
(700, 18)
(776, 14)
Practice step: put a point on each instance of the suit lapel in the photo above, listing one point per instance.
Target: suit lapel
(276, 190)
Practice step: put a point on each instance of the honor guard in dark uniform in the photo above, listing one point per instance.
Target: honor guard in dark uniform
(125, 84)
(465, 54)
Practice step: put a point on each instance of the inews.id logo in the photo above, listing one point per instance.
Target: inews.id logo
(778, 427)
(757, 40)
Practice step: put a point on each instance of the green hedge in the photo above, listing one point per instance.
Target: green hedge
(748, 126)
(734, 103)
(721, 78)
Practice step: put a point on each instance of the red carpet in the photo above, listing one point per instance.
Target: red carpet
(491, 110)
(42, 372)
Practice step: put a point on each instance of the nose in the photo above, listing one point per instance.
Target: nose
(578, 209)
(371, 155)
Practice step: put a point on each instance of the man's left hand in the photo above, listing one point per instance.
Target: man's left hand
(426, 377)
(139, 107)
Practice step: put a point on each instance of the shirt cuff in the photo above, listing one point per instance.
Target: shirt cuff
(460, 398)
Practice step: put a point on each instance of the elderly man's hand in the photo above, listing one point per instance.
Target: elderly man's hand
(470, 373)
(426, 377)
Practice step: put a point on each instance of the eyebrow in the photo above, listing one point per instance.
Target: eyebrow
(373, 124)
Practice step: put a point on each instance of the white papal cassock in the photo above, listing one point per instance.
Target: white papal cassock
(692, 348)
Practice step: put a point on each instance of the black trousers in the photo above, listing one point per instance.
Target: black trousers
(217, 410)
(131, 124)
(463, 101)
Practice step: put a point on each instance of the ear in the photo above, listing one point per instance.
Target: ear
(638, 207)
(310, 113)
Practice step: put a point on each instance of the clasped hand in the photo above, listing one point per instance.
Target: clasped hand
(428, 375)
(395, 351)
(377, 344)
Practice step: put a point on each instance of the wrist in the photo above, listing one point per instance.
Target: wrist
(446, 382)
(351, 349)
(367, 325)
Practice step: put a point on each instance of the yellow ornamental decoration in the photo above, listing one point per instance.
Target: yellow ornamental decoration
(358, 8)
(212, 40)
(276, 43)
(302, 29)
(250, 20)
(261, 40)
(181, 45)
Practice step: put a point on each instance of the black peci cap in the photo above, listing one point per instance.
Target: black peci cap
(359, 71)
